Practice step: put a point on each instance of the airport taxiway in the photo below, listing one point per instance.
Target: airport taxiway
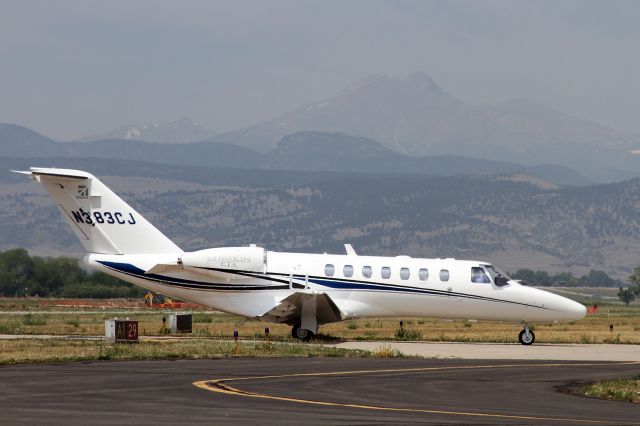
(312, 391)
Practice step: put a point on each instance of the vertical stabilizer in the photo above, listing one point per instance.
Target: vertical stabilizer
(102, 221)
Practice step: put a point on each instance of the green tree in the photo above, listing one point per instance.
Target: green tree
(53, 274)
(564, 278)
(626, 295)
(16, 272)
(21, 274)
(597, 278)
(542, 278)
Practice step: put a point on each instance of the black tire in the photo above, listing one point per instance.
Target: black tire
(527, 339)
(300, 333)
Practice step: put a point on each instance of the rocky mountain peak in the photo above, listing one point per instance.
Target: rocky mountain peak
(422, 82)
(416, 83)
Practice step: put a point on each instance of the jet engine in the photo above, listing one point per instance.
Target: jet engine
(249, 259)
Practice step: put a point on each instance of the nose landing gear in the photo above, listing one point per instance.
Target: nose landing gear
(526, 336)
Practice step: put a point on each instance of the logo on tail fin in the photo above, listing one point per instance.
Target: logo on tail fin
(83, 192)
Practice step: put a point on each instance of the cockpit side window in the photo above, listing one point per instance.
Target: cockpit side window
(499, 278)
(478, 276)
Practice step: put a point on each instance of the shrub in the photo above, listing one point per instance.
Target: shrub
(586, 339)
(30, 319)
(408, 334)
(386, 351)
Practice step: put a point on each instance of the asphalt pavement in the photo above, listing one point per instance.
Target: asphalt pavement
(311, 391)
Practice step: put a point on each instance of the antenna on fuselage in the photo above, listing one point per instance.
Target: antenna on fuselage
(350, 250)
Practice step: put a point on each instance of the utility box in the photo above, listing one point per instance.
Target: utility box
(181, 323)
(120, 330)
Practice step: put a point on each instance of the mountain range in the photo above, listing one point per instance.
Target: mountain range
(417, 117)
(412, 117)
(303, 151)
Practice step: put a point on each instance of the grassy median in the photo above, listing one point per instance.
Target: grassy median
(22, 351)
(627, 390)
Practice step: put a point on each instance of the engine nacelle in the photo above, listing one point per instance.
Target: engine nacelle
(250, 259)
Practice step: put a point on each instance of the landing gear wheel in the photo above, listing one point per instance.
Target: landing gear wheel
(526, 336)
(300, 333)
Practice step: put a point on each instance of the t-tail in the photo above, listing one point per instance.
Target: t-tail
(102, 221)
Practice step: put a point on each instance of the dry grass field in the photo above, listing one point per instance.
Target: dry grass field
(23, 351)
(29, 316)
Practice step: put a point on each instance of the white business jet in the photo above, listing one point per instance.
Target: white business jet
(302, 290)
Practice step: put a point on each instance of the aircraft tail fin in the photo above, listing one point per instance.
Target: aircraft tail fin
(102, 221)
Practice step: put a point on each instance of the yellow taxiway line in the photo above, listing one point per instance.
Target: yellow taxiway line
(220, 386)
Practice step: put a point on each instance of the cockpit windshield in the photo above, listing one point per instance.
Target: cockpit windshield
(479, 276)
(497, 276)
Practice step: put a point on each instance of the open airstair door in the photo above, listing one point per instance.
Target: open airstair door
(290, 309)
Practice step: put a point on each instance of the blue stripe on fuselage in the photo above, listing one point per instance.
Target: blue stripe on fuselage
(131, 270)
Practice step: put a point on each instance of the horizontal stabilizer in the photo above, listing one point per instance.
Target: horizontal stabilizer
(58, 173)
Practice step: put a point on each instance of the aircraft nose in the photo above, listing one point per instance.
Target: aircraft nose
(574, 310)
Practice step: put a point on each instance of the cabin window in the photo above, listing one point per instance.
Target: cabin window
(444, 275)
(423, 274)
(367, 271)
(347, 270)
(385, 272)
(404, 273)
(478, 276)
(329, 270)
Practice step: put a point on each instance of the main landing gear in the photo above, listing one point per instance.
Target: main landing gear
(300, 333)
(526, 336)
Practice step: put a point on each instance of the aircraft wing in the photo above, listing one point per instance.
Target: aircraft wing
(290, 308)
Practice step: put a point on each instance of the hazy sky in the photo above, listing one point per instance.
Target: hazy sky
(72, 68)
